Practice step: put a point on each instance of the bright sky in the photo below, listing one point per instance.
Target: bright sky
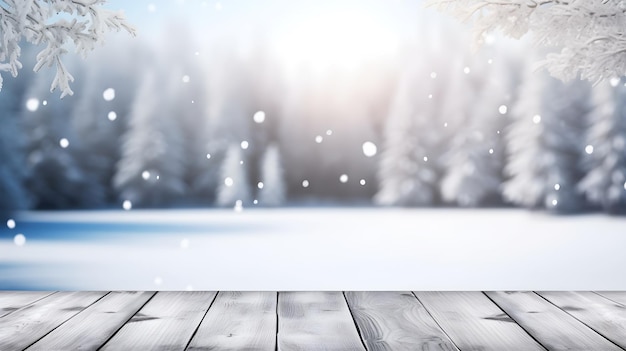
(341, 31)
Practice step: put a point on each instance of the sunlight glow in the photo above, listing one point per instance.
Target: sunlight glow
(339, 39)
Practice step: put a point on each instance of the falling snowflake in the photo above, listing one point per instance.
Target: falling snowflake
(503, 109)
(112, 116)
(32, 104)
(238, 206)
(369, 149)
(108, 94)
(305, 183)
(260, 185)
(329, 132)
(536, 119)
(228, 181)
(466, 70)
(259, 117)
(11, 224)
(127, 205)
(319, 139)
(145, 175)
(557, 186)
(64, 143)
(589, 149)
(343, 178)
(19, 240)
(244, 145)
(186, 79)
(362, 182)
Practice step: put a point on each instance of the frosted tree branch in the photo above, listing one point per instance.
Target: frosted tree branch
(590, 34)
(56, 24)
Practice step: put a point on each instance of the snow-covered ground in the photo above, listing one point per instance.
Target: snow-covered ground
(314, 249)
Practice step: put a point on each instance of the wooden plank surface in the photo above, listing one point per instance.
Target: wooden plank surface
(238, 321)
(473, 322)
(166, 322)
(395, 321)
(23, 327)
(14, 300)
(550, 325)
(601, 314)
(90, 328)
(315, 321)
(617, 296)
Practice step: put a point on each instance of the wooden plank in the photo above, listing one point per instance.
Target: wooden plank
(23, 327)
(395, 321)
(617, 296)
(93, 326)
(548, 324)
(316, 321)
(238, 321)
(473, 322)
(14, 300)
(166, 322)
(604, 316)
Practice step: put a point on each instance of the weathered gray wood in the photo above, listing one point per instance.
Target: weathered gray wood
(601, 314)
(166, 322)
(238, 321)
(89, 329)
(14, 300)
(550, 325)
(473, 322)
(617, 296)
(23, 327)
(315, 321)
(395, 321)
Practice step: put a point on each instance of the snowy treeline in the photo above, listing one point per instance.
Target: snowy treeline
(153, 125)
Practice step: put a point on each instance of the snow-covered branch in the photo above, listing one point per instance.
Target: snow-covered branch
(57, 24)
(591, 35)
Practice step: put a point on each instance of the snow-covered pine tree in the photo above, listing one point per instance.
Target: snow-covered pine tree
(234, 187)
(428, 109)
(227, 120)
(13, 170)
(545, 144)
(151, 170)
(56, 24)
(475, 163)
(274, 190)
(604, 184)
(99, 122)
(590, 34)
(56, 179)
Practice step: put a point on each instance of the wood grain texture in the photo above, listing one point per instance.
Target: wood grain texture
(14, 300)
(550, 325)
(315, 321)
(617, 296)
(166, 322)
(395, 321)
(23, 327)
(90, 328)
(238, 321)
(473, 322)
(601, 314)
